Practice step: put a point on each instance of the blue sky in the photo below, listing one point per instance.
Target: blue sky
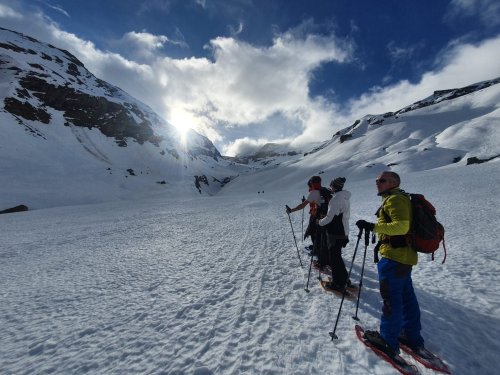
(247, 72)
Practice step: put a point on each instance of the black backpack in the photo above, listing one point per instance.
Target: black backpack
(326, 195)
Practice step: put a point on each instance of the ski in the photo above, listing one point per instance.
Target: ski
(426, 358)
(397, 361)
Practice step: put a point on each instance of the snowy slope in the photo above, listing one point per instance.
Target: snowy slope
(214, 286)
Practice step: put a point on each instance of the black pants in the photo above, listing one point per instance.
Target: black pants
(321, 246)
(339, 272)
(311, 229)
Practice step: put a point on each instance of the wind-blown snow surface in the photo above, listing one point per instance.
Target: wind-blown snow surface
(213, 285)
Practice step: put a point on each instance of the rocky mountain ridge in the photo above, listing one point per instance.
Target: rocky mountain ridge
(52, 78)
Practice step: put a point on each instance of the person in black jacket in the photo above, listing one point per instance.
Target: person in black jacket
(336, 223)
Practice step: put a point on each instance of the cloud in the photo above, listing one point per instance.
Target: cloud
(56, 8)
(202, 3)
(245, 146)
(8, 12)
(402, 53)
(460, 64)
(234, 31)
(244, 85)
(488, 11)
(143, 46)
(145, 39)
(60, 10)
(252, 83)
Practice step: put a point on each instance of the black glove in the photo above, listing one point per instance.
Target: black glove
(288, 210)
(363, 224)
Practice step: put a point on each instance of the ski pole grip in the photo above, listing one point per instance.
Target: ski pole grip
(367, 237)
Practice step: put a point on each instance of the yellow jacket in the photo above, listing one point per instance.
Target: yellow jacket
(397, 208)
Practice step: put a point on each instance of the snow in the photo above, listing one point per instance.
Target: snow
(213, 285)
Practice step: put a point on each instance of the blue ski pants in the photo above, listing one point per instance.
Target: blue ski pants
(400, 312)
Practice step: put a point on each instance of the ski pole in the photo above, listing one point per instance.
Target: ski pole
(309, 274)
(302, 238)
(321, 254)
(367, 241)
(332, 334)
(294, 239)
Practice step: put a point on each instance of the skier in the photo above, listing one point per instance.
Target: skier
(336, 223)
(400, 319)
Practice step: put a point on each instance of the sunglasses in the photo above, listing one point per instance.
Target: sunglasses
(381, 180)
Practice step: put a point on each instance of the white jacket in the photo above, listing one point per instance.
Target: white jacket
(339, 204)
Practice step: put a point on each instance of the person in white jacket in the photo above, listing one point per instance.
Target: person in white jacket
(336, 222)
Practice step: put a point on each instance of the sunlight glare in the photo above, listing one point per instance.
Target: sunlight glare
(183, 131)
(181, 121)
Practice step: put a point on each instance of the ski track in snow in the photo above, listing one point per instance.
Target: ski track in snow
(214, 286)
(125, 295)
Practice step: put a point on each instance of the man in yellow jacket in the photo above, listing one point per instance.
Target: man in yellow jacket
(400, 313)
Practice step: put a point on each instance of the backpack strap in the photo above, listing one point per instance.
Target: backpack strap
(444, 248)
(381, 208)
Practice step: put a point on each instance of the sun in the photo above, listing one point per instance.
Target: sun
(182, 123)
(183, 131)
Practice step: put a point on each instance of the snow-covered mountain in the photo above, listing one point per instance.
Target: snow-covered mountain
(457, 126)
(271, 154)
(69, 137)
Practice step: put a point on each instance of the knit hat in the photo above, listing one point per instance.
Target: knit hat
(338, 183)
(315, 180)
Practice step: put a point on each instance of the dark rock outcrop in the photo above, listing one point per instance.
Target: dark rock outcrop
(20, 208)
(198, 180)
(476, 160)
